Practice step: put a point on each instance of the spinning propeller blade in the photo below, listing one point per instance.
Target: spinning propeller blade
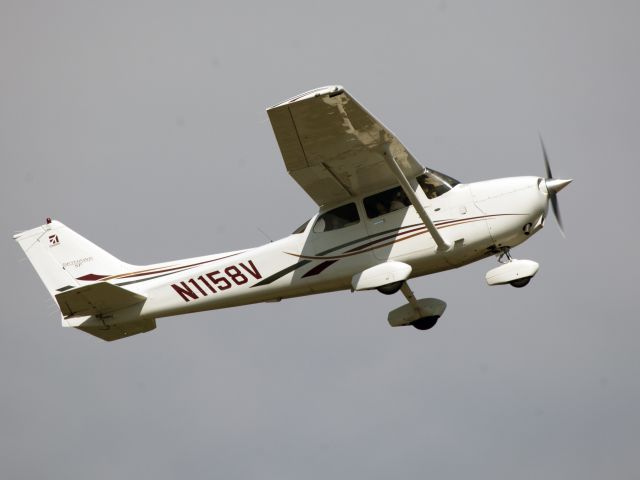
(546, 158)
(556, 212)
(553, 187)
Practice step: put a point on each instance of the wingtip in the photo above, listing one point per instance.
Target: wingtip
(316, 92)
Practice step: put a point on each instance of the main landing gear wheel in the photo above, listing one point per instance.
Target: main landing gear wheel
(421, 314)
(425, 323)
(390, 288)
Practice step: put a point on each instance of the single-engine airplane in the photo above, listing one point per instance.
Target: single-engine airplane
(383, 218)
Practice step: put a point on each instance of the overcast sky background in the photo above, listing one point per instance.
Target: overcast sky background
(142, 126)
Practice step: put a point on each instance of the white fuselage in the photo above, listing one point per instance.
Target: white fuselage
(478, 220)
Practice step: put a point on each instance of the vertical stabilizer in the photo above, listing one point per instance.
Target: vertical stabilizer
(64, 259)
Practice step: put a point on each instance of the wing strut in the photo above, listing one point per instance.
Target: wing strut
(443, 245)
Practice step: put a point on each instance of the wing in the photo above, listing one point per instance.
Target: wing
(333, 147)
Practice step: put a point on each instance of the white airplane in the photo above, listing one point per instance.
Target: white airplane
(383, 218)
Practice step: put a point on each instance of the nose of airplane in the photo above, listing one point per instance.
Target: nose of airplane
(554, 185)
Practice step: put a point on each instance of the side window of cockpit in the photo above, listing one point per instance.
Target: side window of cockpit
(434, 184)
(385, 202)
(428, 185)
(340, 217)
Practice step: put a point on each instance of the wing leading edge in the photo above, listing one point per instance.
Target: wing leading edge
(334, 148)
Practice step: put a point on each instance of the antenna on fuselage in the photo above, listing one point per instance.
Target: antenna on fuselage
(263, 233)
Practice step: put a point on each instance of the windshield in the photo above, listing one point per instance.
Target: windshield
(301, 228)
(435, 183)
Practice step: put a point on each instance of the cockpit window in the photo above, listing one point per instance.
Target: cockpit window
(385, 202)
(435, 183)
(340, 217)
(301, 228)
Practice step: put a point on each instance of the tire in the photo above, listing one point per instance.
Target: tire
(425, 323)
(521, 282)
(390, 288)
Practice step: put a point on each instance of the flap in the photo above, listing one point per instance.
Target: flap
(96, 299)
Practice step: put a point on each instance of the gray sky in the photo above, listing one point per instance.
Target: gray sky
(142, 126)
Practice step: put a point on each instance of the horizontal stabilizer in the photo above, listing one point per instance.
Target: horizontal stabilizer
(96, 299)
(116, 332)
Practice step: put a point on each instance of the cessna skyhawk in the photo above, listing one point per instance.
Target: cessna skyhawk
(383, 218)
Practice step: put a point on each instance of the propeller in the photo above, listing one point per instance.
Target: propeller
(553, 186)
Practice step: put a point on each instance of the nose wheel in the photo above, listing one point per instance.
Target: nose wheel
(517, 273)
(521, 282)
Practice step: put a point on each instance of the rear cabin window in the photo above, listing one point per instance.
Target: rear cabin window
(434, 183)
(337, 218)
(385, 202)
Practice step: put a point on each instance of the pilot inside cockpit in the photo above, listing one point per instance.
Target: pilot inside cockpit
(435, 183)
(398, 201)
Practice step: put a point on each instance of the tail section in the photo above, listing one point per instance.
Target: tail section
(70, 267)
(64, 259)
